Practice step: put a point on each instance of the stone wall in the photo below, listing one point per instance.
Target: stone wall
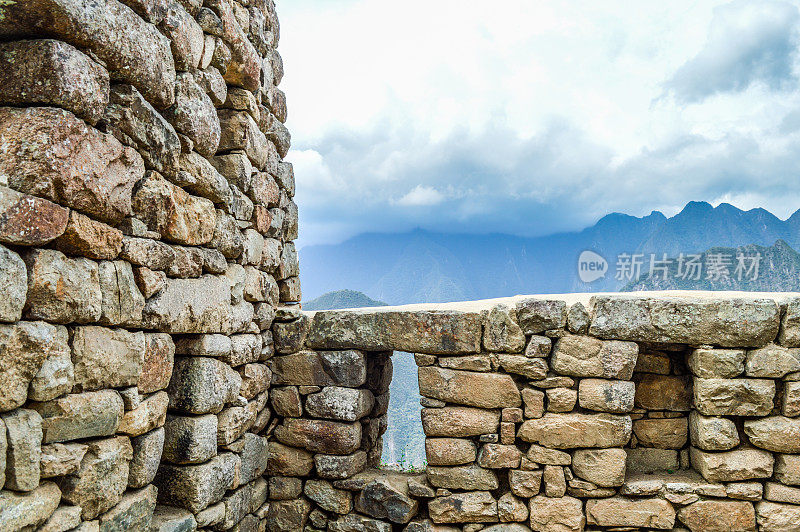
(146, 227)
(619, 412)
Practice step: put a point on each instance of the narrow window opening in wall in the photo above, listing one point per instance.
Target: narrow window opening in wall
(404, 440)
(663, 401)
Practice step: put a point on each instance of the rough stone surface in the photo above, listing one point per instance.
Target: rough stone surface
(146, 457)
(29, 221)
(603, 467)
(563, 514)
(620, 512)
(733, 466)
(583, 356)
(606, 396)
(50, 72)
(380, 330)
(725, 322)
(60, 289)
(88, 238)
(567, 431)
(21, 511)
(458, 422)
(106, 358)
(778, 434)
(484, 390)
(734, 397)
(195, 487)
(25, 348)
(772, 361)
(322, 436)
(469, 507)
(470, 477)
(51, 154)
(24, 436)
(78, 416)
(712, 433)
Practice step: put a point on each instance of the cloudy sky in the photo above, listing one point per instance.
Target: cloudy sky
(535, 117)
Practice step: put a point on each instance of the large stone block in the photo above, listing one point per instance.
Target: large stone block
(185, 35)
(195, 487)
(777, 433)
(131, 119)
(387, 498)
(772, 362)
(83, 415)
(50, 72)
(194, 115)
(469, 477)
(244, 69)
(789, 335)
(169, 210)
(717, 363)
(60, 289)
(24, 431)
(320, 436)
(564, 514)
(89, 238)
(234, 421)
(147, 450)
(150, 414)
(132, 50)
(191, 306)
(620, 512)
(323, 368)
(202, 385)
(450, 451)
(569, 431)
(106, 358)
(539, 315)
(670, 433)
(777, 517)
(288, 461)
(29, 221)
(240, 132)
(459, 422)
(726, 322)
(27, 511)
(648, 460)
(603, 395)
(342, 404)
(734, 397)
(52, 154)
(190, 439)
(718, 516)
(200, 177)
(159, 359)
(502, 333)
(434, 332)
(733, 466)
(602, 467)
(329, 498)
(340, 467)
(712, 433)
(531, 368)
(133, 512)
(24, 347)
(787, 469)
(483, 390)
(102, 478)
(286, 516)
(584, 356)
(469, 507)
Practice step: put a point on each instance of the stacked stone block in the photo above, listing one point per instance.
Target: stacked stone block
(615, 413)
(146, 228)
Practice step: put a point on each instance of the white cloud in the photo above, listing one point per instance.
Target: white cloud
(531, 117)
(421, 196)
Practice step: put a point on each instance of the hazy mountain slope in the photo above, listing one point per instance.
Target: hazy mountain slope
(342, 299)
(779, 271)
(423, 266)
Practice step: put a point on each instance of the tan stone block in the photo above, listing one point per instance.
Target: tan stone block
(466, 363)
(470, 507)
(606, 396)
(555, 483)
(563, 514)
(469, 477)
(777, 433)
(534, 403)
(787, 469)
(621, 512)
(776, 492)
(777, 517)
(459, 422)
(568, 431)
(545, 456)
(662, 392)
(584, 356)
(603, 467)
(150, 414)
(662, 433)
(483, 390)
(525, 484)
(718, 516)
(498, 456)
(449, 451)
(561, 399)
(733, 466)
(791, 399)
(734, 397)
(712, 433)
(711, 363)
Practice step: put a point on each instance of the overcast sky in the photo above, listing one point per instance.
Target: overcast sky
(535, 117)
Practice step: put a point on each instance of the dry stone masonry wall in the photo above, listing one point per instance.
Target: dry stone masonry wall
(619, 412)
(158, 375)
(146, 228)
